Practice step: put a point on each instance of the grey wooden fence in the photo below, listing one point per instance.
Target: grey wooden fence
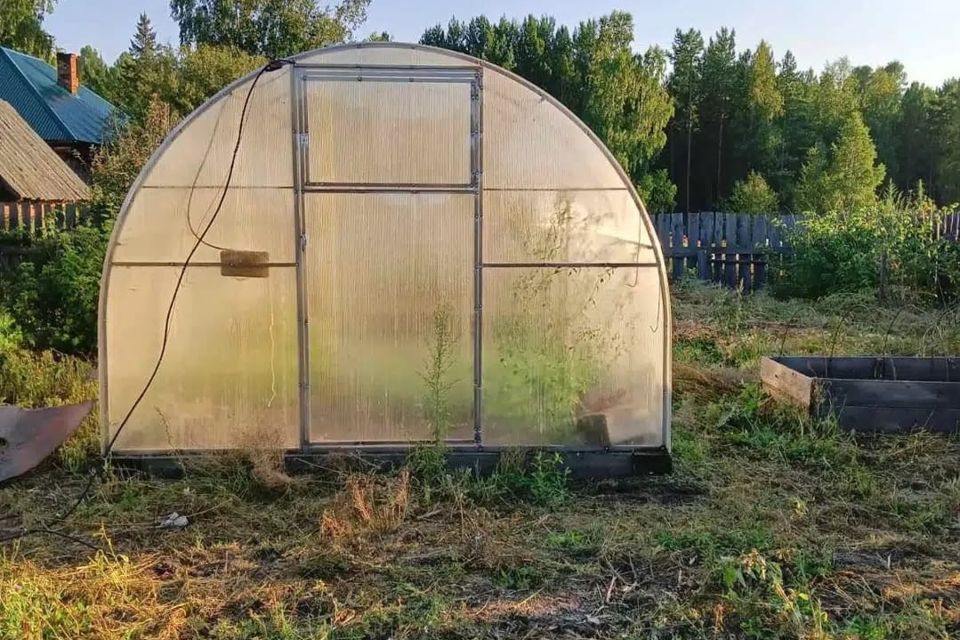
(729, 248)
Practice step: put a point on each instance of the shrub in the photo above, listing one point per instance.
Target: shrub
(753, 195)
(11, 337)
(54, 292)
(892, 245)
(832, 253)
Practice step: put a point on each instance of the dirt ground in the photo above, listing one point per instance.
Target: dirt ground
(771, 526)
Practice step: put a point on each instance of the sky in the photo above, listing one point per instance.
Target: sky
(922, 34)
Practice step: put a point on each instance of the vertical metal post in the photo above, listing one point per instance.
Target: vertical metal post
(476, 112)
(298, 143)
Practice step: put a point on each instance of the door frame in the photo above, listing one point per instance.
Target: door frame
(306, 73)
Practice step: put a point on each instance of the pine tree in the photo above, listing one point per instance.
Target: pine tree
(880, 92)
(762, 106)
(719, 86)
(687, 57)
(846, 179)
(144, 42)
(915, 138)
(797, 126)
(95, 74)
(947, 123)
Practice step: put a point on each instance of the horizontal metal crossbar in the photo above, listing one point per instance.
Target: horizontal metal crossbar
(145, 263)
(402, 79)
(354, 187)
(566, 265)
(582, 463)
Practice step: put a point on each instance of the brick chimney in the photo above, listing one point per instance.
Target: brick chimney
(68, 75)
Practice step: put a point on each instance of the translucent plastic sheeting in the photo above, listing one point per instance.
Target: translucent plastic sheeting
(529, 143)
(229, 378)
(562, 347)
(564, 226)
(389, 281)
(401, 55)
(379, 132)
(201, 153)
(164, 224)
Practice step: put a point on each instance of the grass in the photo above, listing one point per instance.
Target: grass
(773, 526)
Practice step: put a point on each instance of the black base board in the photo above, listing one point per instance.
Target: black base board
(582, 464)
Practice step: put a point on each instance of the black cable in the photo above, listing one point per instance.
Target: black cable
(272, 66)
(51, 532)
(83, 494)
(196, 180)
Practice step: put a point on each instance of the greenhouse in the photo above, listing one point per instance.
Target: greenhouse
(378, 245)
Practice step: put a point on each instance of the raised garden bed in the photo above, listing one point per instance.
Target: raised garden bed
(871, 394)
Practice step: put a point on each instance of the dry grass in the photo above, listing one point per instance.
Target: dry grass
(707, 384)
(772, 527)
(368, 503)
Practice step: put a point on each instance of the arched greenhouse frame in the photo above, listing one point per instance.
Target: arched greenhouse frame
(409, 245)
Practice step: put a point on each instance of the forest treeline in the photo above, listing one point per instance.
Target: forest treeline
(706, 124)
(703, 124)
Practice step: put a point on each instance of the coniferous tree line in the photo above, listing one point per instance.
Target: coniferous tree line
(707, 125)
(703, 124)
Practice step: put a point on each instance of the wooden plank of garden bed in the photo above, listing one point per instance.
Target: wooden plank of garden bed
(942, 369)
(898, 419)
(891, 393)
(787, 384)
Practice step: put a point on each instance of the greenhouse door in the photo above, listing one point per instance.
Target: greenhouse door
(389, 166)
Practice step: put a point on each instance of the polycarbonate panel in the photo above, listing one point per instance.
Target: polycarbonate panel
(399, 55)
(389, 282)
(380, 132)
(229, 378)
(564, 226)
(529, 143)
(163, 225)
(201, 152)
(567, 349)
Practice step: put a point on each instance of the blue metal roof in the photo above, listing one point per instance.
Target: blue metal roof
(30, 85)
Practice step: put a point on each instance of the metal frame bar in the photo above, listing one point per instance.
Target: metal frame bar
(473, 75)
(476, 102)
(389, 68)
(217, 187)
(464, 446)
(554, 189)
(386, 187)
(399, 75)
(360, 78)
(131, 263)
(628, 462)
(568, 265)
(298, 139)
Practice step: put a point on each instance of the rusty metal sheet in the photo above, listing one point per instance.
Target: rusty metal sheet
(244, 264)
(27, 437)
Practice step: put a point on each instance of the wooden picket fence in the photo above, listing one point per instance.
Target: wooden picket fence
(33, 216)
(732, 249)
